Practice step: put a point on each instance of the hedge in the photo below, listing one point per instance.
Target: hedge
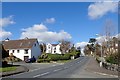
(4, 64)
(113, 58)
(55, 57)
(76, 54)
(43, 60)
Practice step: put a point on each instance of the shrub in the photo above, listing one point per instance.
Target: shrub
(75, 54)
(14, 59)
(67, 56)
(56, 57)
(43, 60)
(113, 58)
(17, 60)
(4, 64)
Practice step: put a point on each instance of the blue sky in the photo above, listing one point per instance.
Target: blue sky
(69, 20)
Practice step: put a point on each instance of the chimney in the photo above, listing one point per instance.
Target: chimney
(7, 39)
(26, 38)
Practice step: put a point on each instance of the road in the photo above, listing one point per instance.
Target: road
(36, 66)
(72, 69)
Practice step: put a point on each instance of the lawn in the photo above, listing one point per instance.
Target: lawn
(7, 69)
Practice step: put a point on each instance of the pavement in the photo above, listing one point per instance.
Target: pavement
(93, 66)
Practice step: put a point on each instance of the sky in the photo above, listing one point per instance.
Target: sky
(54, 21)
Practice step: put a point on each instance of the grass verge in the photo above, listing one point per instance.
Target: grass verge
(7, 69)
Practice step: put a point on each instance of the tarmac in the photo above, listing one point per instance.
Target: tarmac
(92, 66)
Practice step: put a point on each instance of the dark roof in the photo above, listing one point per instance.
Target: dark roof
(54, 44)
(19, 44)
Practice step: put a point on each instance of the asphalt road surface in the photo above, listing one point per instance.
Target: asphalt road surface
(72, 69)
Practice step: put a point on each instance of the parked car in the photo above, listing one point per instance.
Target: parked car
(31, 60)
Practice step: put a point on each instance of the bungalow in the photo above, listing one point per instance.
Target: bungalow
(23, 48)
(53, 48)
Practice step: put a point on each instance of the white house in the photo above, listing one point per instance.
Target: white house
(23, 48)
(53, 48)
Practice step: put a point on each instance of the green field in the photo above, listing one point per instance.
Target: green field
(7, 69)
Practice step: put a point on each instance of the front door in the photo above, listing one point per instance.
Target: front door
(26, 58)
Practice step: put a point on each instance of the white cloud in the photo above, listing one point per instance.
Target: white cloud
(81, 44)
(50, 20)
(3, 23)
(41, 32)
(36, 27)
(4, 34)
(118, 35)
(101, 39)
(99, 9)
(6, 21)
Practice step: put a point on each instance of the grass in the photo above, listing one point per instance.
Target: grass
(7, 69)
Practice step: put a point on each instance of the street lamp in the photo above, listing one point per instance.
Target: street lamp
(101, 52)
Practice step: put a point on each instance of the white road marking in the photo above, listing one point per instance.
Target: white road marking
(34, 70)
(56, 70)
(41, 74)
(105, 74)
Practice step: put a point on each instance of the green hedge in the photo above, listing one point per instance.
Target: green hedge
(76, 54)
(55, 57)
(113, 58)
(43, 60)
(4, 64)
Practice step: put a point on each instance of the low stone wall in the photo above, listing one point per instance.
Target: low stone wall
(109, 66)
(112, 67)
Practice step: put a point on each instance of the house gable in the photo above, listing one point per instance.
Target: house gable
(19, 44)
(22, 48)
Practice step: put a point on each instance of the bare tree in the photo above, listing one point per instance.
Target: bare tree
(108, 32)
(43, 47)
(64, 46)
(87, 49)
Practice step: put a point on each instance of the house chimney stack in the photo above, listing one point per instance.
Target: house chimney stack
(7, 39)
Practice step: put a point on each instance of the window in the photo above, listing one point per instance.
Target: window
(35, 45)
(54, 48)
(54, 51)
(26, 51)
(18, 51)
(12, 51)
(49, 47)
